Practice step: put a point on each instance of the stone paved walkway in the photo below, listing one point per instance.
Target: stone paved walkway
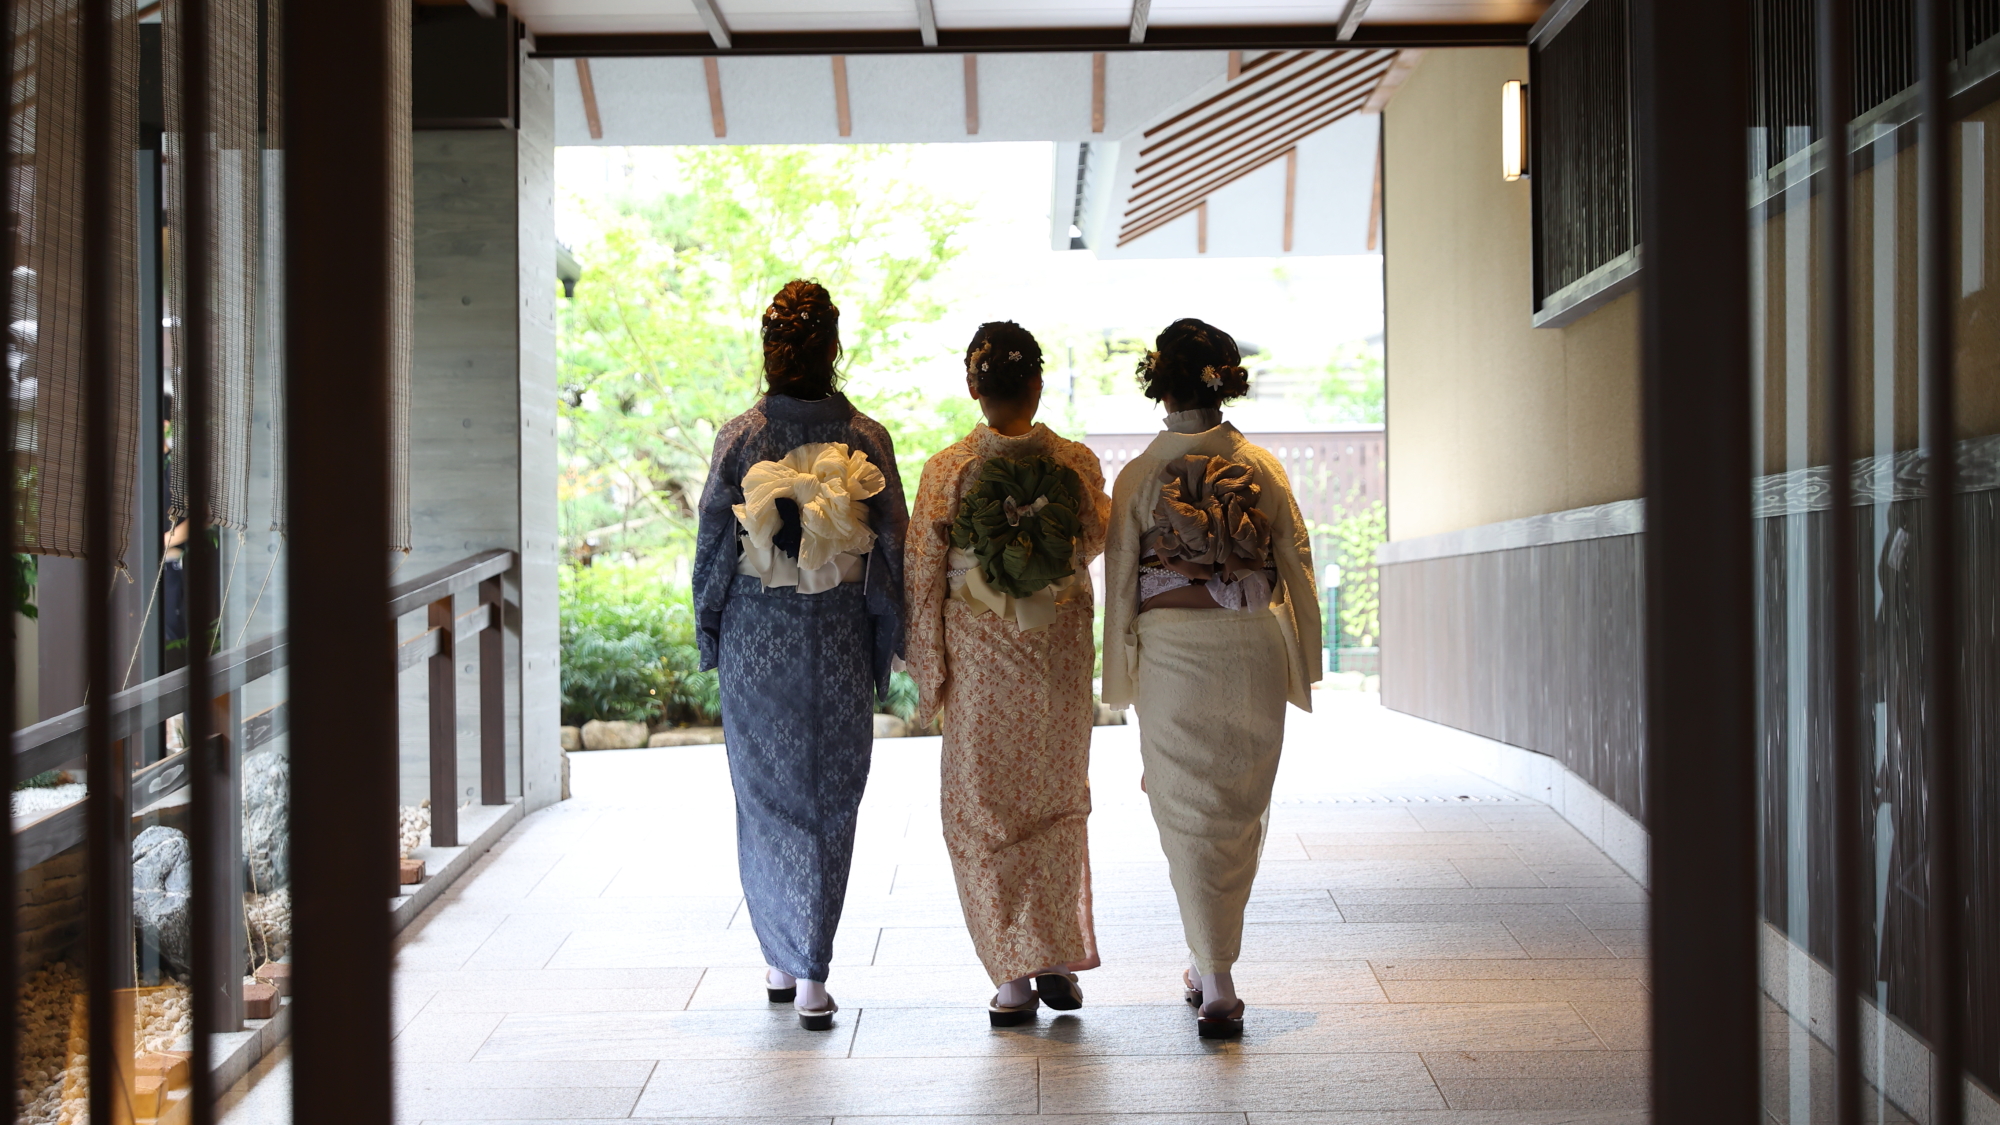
(1423, 947)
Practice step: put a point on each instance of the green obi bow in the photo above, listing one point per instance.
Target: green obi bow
(1020, 522)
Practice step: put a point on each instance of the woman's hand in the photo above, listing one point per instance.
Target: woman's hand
(1192, 571)
(174, 540)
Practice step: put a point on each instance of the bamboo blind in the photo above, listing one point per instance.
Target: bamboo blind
(234, 247)
(45, 348)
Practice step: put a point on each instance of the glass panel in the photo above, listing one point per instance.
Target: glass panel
(1797, 595)
(149, 926)
(1977, 436)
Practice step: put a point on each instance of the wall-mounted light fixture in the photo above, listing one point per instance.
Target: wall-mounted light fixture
(1513, 130)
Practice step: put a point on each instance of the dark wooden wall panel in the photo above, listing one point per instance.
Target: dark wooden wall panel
(1538, 647)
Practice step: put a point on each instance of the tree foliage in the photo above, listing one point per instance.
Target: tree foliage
(1356, 537)
(1351, 388)
(660, 344)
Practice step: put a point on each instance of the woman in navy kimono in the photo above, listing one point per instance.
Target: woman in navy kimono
(798, 586)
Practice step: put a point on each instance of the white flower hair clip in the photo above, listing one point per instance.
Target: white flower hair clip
(1213, 380)
(1014, 356)
(984, 367)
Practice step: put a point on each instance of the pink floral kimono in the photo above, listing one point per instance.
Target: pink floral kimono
(1012, 676)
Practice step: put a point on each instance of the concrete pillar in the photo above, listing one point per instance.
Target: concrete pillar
(482, 420)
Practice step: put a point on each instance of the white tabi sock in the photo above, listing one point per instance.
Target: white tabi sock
(1218, 994)
(777, 978)
(812, 996)
(1015, 992)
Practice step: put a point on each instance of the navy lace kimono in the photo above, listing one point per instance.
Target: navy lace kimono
(799, 676)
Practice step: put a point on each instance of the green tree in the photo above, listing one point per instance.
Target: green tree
(1351, 388)
(659, 346)
(1356, 537)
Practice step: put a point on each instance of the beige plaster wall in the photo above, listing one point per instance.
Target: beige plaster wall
(1489, 418)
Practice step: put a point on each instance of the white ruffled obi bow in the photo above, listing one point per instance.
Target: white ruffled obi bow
(829, 483)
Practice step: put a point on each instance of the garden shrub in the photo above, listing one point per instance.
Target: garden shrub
(628, 648)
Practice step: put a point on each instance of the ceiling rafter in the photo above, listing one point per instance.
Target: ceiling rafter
(1265, 150)
(1171, 176)
(711, 18)
(1323, 69)
(1246, 128)
(1350, 19)
(1142, 10)
(1255, 115)
(1293, 58)
(1136, 228)
(589, 90)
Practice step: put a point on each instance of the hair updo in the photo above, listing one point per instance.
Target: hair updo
(801, 341)
(1003, 360)
(1196, 363)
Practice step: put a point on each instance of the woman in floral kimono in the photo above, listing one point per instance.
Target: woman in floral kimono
(798, 586)
(1211, 625)
(1000, 609)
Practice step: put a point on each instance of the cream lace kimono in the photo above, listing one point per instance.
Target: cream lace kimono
(1211, 687)
(1012, 677)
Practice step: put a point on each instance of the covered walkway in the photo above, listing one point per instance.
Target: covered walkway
(1424, 946)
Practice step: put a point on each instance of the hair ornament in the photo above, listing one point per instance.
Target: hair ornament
(984, 366)
(1152, 361)
(1014, 357)
(1209, 377)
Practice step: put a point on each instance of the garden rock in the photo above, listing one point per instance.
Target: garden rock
(889, 726)
(572, 738)
(686, 736)
(601, 735)
(162, 881)
(267, 782)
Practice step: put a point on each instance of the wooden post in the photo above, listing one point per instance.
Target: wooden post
(444, 730)
(222, 811)
(493, 696)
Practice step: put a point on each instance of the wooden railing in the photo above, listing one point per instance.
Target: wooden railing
(439, 646)
(58, 742)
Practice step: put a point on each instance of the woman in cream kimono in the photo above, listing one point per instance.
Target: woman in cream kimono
(1211, 625)
(1000, 610)
(798, 587)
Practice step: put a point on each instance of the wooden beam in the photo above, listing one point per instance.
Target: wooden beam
(714, 74)
(1141, 11)
(589, 89)
(1291, 192)
(1235, 64)
(1392, 80)
(1350, 19)
(927, 22)
(1201, 228)
(1036, 40)
(1292, 59)
(718, 31)
(1162, 214)
(972, 95)
(1245, 139)
(1330, 72)
(1239, 153)
(1097, 92)
(840, 108)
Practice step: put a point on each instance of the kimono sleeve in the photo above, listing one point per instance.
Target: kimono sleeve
(716, 544)
(925, 585)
